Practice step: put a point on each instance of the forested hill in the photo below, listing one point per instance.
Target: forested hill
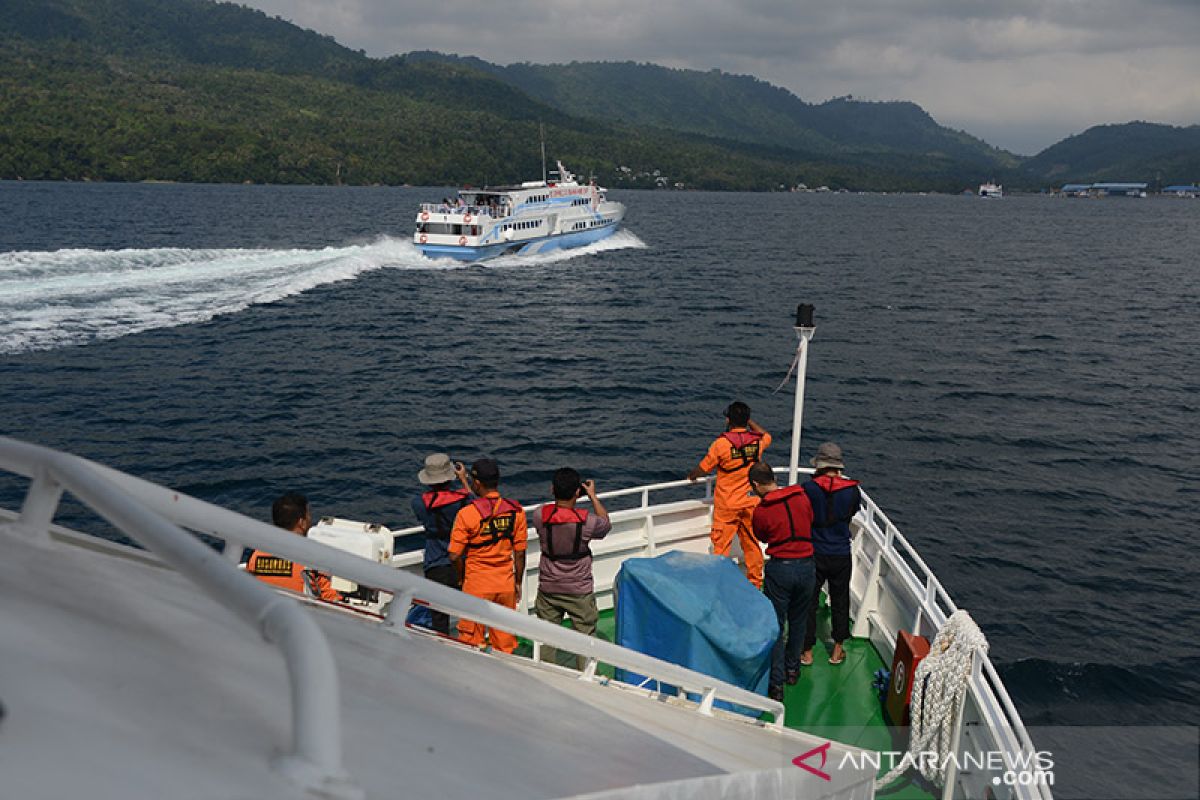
(195, 90)
(192, 90)
(1135, 151)
(737, 107)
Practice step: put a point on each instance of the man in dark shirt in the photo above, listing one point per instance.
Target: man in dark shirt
(782, 521)
(436, 508)
(835, 500)
(565, 586)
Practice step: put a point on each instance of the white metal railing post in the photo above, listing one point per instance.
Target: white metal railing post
(804, 331)
(233, 551)
(41, 501)
(397, 613)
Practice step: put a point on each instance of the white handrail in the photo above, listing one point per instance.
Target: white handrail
(644, 491)
(316, 760)
(222, 523)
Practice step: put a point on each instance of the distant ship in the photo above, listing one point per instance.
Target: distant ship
(991, 190)
(534, 217)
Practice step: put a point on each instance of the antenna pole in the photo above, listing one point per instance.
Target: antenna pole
(542, 128)
(804, 328)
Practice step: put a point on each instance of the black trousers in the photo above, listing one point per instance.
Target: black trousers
(446, 576)
(834, 570)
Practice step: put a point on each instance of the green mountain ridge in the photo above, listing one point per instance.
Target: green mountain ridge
(735, 107)
(194, 90)
(1135, 151)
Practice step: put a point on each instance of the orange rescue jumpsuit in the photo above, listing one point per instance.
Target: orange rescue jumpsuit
(488, 546)
(291, 576)
(733, 503)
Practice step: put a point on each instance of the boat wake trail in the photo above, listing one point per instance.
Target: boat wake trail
(621, 240)
(66, 297)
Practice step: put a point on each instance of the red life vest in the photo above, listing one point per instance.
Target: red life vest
(553, 515)
(830, 484)
(745, 446)
(440, 499)
(787, 496)
(496, 521)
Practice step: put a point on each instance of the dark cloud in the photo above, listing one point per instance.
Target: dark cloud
(1020, 73)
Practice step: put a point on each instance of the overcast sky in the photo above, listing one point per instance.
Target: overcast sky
(1021, 74)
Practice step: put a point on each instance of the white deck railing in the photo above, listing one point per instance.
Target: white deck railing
(316, 759)
(156, 517)
(894, 589)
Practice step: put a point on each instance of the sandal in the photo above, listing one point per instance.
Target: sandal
(806, 660)
(835, 662)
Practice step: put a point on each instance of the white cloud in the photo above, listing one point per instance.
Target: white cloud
(1020, 73)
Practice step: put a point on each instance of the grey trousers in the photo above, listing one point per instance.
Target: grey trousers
(580, 608)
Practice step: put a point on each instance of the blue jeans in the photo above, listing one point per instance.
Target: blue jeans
(789, 586)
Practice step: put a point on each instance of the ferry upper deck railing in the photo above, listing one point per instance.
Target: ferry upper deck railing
(156, 517)
(499, 212)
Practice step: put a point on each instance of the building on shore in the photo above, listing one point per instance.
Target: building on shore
(1103, 190)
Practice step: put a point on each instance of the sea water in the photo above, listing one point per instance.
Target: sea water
(1015, 382)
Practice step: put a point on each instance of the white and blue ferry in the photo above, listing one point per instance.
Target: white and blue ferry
(535, 217)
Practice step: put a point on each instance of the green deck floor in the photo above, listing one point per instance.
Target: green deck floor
(837, 702)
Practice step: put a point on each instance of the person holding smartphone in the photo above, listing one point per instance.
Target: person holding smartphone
(565, 585)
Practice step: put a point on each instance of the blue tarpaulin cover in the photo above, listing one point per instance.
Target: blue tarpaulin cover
(697, 611)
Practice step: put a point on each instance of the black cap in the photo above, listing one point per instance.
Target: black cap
(485, 470)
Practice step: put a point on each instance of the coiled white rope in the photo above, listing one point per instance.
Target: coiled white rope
(938, 687)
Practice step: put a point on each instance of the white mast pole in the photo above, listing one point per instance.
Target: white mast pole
(804, 331)
(542, 128)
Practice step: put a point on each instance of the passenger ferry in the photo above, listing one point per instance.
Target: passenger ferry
(534, 217)
(991, 190)
(168, 672)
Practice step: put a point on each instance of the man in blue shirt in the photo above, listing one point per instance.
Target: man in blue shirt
(835, 500)
(436, 508)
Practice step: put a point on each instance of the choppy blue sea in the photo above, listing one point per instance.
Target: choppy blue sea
(1014, 381)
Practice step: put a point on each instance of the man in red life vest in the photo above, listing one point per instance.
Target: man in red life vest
(291, 512)
(565, 585)
(835, 500)
(783, 521)
(487, 547)
(731, 455)
(436, 509)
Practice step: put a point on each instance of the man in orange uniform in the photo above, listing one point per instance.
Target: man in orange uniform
(731, 455)
(487, 546)
(291, 512)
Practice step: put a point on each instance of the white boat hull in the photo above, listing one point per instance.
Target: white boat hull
(543, 244)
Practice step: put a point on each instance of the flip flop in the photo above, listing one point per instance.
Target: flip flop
(838, 661)
(806, 660)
